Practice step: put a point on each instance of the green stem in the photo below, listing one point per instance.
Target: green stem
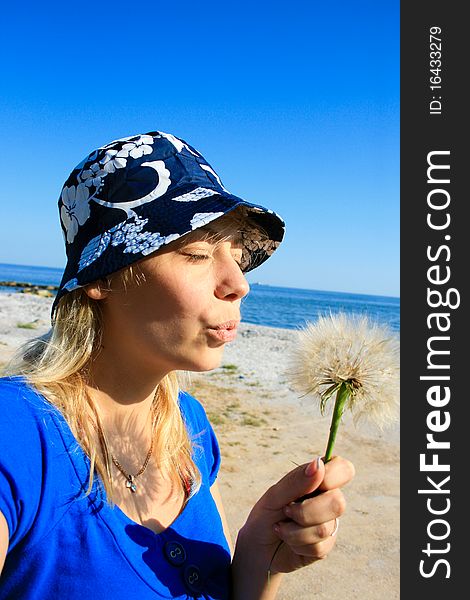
(341, 396)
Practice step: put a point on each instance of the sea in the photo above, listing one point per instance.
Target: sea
(273, 306)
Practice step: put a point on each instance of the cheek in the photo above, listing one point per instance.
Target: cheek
(186, 297)
(176, 304)
(170, 307)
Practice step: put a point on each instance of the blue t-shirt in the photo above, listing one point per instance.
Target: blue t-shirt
(66, 545)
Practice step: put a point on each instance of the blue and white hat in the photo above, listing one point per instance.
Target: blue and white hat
(131, 197)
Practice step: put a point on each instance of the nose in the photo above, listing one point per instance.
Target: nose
(231, 282)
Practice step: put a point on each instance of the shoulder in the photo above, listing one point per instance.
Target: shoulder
(20, 402)
(28, 421)
(191, 407)
(205, 444)
(16, 387)
(24, 461)
(194, 414)
(25, 417)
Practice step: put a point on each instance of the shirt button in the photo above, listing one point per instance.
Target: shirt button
(193, 579)
(175, 553)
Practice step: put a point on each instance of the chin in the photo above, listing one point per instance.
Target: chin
(208, 362)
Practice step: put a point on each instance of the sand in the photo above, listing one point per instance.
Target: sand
(263, 430)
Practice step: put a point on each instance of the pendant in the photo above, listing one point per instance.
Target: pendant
(130, 484)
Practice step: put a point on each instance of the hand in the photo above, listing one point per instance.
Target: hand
(304, 527)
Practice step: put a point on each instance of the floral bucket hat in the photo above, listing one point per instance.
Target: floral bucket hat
(131, 197)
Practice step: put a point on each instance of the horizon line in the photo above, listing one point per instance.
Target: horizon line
(253, 283)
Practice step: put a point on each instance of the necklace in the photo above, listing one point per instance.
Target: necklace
(130, 479)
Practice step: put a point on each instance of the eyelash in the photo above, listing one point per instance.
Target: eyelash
(201, 257)
(197, 257)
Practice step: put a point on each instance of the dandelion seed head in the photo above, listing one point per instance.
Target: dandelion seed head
(349, 349)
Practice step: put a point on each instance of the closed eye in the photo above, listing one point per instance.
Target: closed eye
(197, 257)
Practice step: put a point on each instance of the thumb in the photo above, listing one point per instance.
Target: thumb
(299, 482)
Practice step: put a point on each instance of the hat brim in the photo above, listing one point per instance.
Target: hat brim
(111, 257)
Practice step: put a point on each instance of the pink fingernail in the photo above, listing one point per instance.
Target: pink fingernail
(313, 467)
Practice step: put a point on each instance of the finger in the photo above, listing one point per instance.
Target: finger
(338, 472)
(317, 510)
(298, 482)
(315, 551)
(296, 535)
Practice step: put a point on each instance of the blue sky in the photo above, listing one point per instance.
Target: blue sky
(296, 105)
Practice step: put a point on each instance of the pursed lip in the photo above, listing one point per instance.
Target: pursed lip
(227, 325)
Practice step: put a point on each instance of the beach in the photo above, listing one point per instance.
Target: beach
(264, 430)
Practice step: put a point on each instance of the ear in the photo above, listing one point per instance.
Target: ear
(96, 290)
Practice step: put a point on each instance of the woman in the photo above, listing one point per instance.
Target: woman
(108, 470)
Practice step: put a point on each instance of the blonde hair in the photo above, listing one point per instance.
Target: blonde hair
(56, 366)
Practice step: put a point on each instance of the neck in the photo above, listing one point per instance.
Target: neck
(122, 397)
